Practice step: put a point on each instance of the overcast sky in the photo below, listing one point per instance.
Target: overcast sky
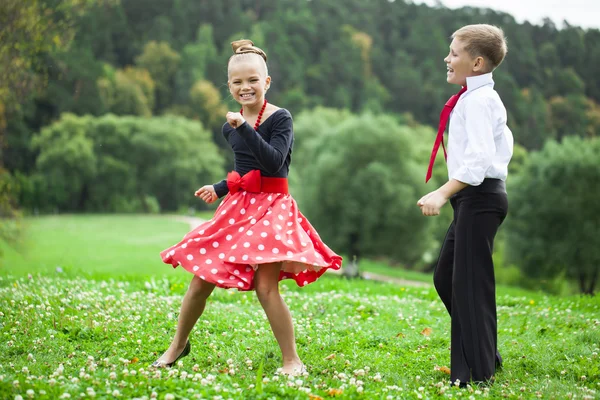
(584, 13)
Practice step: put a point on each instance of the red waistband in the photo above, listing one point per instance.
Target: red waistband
(254, 182)
(273, 185)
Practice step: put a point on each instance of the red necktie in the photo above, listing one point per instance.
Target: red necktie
(441, 128)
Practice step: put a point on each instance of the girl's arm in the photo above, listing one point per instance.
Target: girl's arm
(270, 155)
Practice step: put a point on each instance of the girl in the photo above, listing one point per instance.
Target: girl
(257, 236)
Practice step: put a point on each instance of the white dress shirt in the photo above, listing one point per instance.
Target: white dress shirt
(480, 145)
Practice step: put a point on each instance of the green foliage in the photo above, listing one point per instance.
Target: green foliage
(28, 30)
(10, 217)
(92, 57)
(196, 58)
(553, 214)
(569, 115)
(128, 92)
(356, 184)
(163, 63)
(125, 164)
(67, 161)
(206, 104)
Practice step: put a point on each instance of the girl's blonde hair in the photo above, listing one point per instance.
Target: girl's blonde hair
(244, 50)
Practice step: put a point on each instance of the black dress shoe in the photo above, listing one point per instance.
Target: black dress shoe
(185, 352)
(498, 360)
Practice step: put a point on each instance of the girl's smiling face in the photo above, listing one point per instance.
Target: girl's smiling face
(248, 81)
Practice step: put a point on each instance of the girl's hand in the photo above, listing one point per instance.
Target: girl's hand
(235, 119)
(431, 203)
(207, 193)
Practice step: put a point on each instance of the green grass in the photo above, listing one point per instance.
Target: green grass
(382, 268)
(99, 246)
(95, 334)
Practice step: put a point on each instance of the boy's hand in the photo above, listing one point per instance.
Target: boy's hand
(235, 119)
(431, 203)
(207, 193)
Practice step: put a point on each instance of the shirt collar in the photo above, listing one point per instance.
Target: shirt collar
(475, 82)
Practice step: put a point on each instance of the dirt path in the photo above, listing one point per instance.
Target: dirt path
(193, 222)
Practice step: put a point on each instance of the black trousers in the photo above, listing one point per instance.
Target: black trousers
(464, 279)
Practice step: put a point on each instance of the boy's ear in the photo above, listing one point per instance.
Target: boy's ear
(479, 64)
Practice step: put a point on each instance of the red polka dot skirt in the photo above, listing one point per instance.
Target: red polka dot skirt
(250, 229)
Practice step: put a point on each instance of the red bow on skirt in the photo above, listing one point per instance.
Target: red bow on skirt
(250, 182)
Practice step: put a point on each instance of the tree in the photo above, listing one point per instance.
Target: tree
(554, 225)
(569, 115)
(29, 31)
(128, 163)
(10, 227)
(361, 187)
(195, 60)
(206, 103)
(162, 62)
(128, 92)
(67, 161)
(536, 126)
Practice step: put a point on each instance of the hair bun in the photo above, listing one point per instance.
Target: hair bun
(247, 46)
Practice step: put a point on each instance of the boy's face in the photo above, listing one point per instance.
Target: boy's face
(460, 64)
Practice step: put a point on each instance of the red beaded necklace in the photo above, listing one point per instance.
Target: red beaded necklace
(260, 114)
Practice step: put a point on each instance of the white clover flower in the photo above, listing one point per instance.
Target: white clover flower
(169, 396)
(30, 393)
(116, 393)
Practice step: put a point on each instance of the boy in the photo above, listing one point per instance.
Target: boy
(480, 147)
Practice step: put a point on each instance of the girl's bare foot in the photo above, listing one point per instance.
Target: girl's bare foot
(293, 368)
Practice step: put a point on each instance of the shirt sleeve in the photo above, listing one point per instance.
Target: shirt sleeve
(221, 188)
(272, 155)
(480, 146)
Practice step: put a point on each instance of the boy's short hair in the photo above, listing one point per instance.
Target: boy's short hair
(483, 40)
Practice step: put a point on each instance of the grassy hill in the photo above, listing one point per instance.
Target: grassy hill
(86, 305)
